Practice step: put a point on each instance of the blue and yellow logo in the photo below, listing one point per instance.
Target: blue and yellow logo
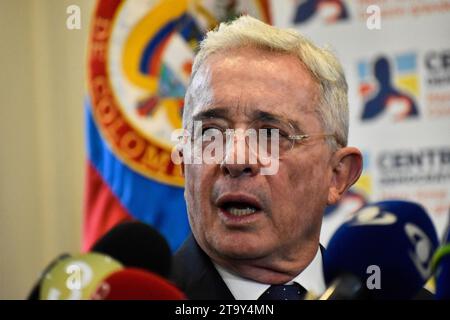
(389, 87)
(329, 11)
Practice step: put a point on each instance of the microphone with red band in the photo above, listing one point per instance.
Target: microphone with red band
(136, 284)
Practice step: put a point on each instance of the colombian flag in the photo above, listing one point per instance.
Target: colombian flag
(140, 55)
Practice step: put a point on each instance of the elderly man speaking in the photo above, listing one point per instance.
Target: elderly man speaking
(255, 235)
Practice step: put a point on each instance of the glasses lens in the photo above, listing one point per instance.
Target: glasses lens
(265, 139)
(271, 139)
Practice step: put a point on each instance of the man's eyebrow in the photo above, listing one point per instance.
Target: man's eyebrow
(223, 113)
(266, 116)
(211, 113)
(270, 117)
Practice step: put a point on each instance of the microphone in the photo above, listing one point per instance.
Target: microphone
(441, 266)
(76, 277)
(136, 284)
(130, 244)
(136, 244)
(34, 293)
(382, 252)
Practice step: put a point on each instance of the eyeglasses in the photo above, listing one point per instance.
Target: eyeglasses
(274, 138)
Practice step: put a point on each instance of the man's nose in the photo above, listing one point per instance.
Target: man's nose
(238, 158)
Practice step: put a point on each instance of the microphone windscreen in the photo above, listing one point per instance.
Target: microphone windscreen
(388, 245)
(136, 284)
(35, 292)
(138, 245)
(76, 277)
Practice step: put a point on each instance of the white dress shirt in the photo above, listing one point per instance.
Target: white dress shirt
(244, 289)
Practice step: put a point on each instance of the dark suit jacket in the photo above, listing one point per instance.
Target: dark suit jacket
(194, 273)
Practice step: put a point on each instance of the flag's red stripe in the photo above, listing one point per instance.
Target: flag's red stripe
(102, 209)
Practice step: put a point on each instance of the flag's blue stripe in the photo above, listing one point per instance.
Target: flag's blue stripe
(160, 205)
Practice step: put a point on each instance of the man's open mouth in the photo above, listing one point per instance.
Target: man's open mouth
(239, 209)
(238, 205)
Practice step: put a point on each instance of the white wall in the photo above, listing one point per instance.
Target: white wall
(42, 137)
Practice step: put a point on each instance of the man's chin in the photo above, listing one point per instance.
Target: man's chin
(240, 255)
(240, 250)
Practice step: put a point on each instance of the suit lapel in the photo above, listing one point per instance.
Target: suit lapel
(195, 274)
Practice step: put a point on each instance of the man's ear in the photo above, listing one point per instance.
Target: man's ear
(180, 154)
(347, 167)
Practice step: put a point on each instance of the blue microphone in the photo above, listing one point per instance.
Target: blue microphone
(383, 251)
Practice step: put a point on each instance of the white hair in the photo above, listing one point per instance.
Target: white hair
(321, 63)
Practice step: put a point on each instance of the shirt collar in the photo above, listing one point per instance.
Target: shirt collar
(245, 289)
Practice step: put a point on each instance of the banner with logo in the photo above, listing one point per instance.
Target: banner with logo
(396, 56)
(139, 62)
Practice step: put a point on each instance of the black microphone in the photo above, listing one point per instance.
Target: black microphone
(383, 252)
(138, 245)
